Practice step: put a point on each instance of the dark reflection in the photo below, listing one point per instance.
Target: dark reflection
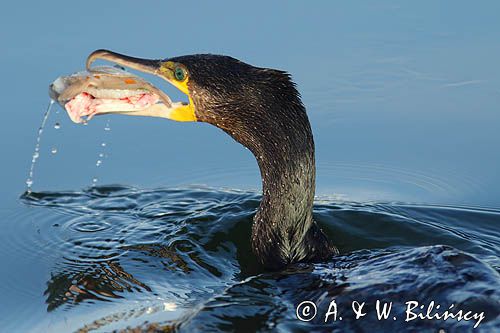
(172, 260)
(101, 282)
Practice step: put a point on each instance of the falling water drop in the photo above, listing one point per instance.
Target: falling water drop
(57, 126)
(102, 153)
(36, 154)
(53, 150)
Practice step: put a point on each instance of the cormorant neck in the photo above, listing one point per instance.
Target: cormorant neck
(284, 231)
(261, 109)
(285, 212)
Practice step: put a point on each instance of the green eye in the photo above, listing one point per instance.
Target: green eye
(179, 73)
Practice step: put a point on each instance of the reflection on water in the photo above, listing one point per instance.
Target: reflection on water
(99, 282)
(357, 182)
(180, 258)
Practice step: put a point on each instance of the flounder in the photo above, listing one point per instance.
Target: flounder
(106, 89)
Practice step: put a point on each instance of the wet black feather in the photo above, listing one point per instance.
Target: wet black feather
(261, 109)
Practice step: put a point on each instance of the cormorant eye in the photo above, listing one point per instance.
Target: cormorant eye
(179, 73)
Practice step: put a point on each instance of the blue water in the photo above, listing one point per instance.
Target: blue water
(403, 101)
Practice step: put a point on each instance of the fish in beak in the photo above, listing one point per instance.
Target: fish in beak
(107, 90)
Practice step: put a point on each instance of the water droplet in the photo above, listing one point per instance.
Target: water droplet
(94, 180)
(57, 126)
(53, 150)
(107, 128)
(101, 155)
(36, 153)
(103, 144)
(98, 163)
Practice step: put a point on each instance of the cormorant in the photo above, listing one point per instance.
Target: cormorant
(261, 109)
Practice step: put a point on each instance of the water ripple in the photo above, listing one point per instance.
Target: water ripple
(110, 250)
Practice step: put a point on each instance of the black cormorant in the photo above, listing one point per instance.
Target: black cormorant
(261, 109)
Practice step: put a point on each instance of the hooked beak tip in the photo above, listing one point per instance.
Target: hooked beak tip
(144, 65)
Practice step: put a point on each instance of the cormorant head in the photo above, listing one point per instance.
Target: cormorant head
(221, 90)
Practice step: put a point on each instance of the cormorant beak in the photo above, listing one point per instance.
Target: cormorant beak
(178, 111)
(144, 65)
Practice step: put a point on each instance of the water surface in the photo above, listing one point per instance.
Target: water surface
(181, 258)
